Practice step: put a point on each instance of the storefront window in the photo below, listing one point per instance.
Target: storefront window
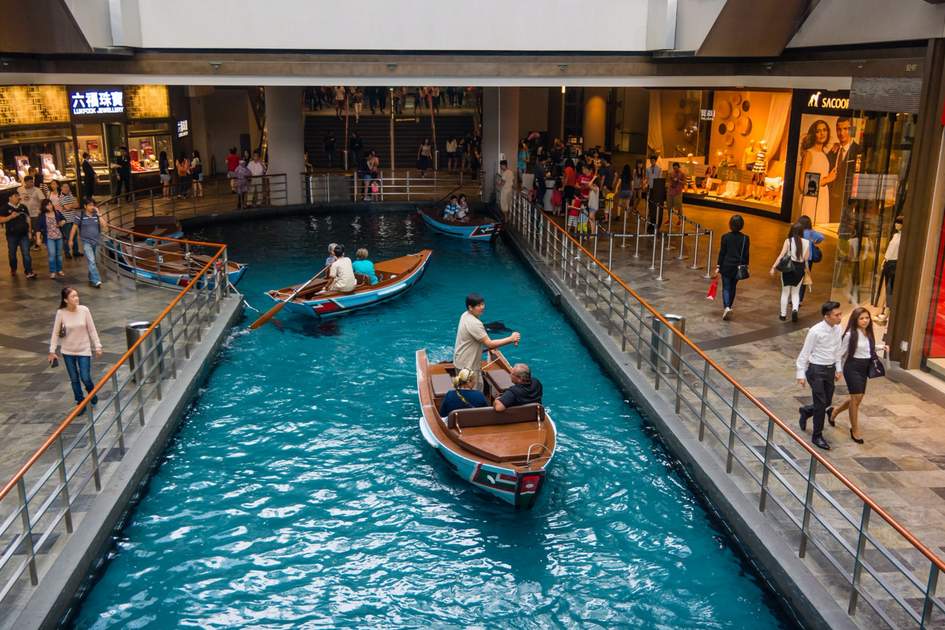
(48, 149)
(870, 196)
(145, 143)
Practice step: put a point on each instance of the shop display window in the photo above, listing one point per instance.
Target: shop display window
(91, 140)
(144, 150)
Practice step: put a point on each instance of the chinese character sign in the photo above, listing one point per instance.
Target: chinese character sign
(92, 102)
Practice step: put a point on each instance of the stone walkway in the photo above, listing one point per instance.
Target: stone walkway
(901, 466)
(36, 398)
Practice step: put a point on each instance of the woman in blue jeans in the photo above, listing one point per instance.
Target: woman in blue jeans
(733, 252)
(74, 333)
(52, 224)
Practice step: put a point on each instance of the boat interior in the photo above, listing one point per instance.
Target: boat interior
(387, 272)
(474, 218)
(519, 436)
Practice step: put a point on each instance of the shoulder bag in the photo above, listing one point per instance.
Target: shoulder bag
(741, 272)
(877, 368)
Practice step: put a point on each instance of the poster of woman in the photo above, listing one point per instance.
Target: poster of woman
(827, 154)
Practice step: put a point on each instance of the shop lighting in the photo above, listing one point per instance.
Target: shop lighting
(563, 89)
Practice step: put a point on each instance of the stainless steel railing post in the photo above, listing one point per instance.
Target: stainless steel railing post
(696, 235)
(93, 444)
(808, 507)
(636, 238)
(705, 397)
(766, 465)
(64, 480)
(708, 256)
(663, 240)
(731, 431)
(27, 530)
(858, 559)
(929, 596)
(118, 424)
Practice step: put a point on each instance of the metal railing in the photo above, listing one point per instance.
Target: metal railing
(219, 195)
(387, 186)
(38, 504)
(818, 505)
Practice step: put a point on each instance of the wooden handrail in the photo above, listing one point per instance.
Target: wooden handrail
(890, 520)
(124, 359)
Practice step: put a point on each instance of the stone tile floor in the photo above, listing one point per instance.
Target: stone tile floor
(901, 465)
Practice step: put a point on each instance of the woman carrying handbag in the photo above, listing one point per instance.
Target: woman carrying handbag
(732, 263)
(860, 364)
(792, 263)
(74, 333)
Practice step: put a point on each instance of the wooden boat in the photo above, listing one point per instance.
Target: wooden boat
(157, 226)
(394, 277)
(166, 264)
(477, 228)
(504, 454)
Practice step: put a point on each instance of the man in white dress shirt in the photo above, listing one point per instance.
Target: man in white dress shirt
(819, 365)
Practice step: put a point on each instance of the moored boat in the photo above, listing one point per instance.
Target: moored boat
(394, 276)
(167, 263)
(477, 228)
(504, 454)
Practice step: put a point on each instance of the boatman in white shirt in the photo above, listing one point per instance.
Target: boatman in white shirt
(820, 365)
(341, 273)
(472, 340)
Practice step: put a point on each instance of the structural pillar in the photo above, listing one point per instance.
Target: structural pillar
(285, 131)
(500, 133)
(594, 128)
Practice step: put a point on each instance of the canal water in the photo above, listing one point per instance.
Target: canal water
(300, 493)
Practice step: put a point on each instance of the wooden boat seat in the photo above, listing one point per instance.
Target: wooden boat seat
(509, 444)
(498, 378)
(487, 416)
(442, 383)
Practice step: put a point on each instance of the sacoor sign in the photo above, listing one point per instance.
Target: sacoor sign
(818, 100)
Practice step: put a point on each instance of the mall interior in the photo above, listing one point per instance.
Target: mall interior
(829, 109)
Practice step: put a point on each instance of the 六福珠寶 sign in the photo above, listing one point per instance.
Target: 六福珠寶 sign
(97, 102)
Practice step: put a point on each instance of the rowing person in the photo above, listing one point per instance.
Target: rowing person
(472, 340)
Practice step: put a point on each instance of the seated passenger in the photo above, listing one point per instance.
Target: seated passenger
(449, 212)
(341, 273)
(364, 266)
(462, 209)
(331, 254)
(460, 397)
(525, 389)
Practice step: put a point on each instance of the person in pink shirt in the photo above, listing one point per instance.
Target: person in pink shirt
(75, 335)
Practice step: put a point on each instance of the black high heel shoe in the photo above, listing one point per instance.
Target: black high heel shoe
(857, 440)
(830, 419)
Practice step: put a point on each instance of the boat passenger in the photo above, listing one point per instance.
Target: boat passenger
(461, 397)
(364, 266)
(472, 339)
(524, 391)
(462, 209)
(331, 254)
(341, 273)
(451, 209)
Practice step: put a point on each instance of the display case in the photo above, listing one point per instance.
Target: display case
(146, 141)
(48, 149)
(91, 140)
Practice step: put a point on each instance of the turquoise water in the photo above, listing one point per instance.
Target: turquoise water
(299, 492)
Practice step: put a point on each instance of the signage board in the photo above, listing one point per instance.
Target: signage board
(96, 102)
(183, 128)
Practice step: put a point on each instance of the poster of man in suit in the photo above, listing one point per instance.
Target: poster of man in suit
(842, 156)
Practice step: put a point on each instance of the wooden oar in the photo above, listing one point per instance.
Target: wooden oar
(265, 317)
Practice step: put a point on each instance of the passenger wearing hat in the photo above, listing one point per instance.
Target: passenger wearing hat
(460, 397)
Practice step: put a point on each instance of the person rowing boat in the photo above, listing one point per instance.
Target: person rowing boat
(472, 340)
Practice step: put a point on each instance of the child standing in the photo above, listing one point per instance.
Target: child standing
(574, 210)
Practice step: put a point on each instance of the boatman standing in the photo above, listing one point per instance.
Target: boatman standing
(472, 340)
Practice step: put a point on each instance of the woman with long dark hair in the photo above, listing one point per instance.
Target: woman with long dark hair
(74, 333)
(859, 344)
(814, 161)
(733, 253)
(797, 249)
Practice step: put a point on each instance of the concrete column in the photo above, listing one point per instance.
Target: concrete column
(285, 129)
(500, 132)
(594, 128)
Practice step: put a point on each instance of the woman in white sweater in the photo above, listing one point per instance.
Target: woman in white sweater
(74, 332)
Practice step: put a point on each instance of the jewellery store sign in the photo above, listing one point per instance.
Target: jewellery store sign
(87, 102)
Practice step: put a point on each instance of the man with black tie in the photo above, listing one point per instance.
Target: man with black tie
(842, 157)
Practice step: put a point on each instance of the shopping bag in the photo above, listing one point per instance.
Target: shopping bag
(713, 289)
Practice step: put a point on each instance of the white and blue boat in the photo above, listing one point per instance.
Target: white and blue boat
(477, 228)
(394, 276)
(165, 264)
(504, 454)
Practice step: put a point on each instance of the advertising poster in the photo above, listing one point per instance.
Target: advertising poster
(829, 148)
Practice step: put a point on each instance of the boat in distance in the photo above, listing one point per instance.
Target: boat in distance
(504, 454)
(394, 277)
(167, 263)
(477, 228)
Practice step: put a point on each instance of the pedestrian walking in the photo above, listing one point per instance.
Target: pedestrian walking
(241, 176)
(74, 335)
(859, 346)
(184, 179)
(52, 224)
(792, 263)
(732, 264)
(196, 175)
(31, 197)
(819, 365)
(88, 177)
(816, 254)
(16, 220)
(164, 170)
(90, 232)
(69, 206)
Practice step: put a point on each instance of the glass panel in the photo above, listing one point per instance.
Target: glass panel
(144, 152)
(872, 194)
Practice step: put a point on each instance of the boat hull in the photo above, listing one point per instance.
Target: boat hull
(518, 488)
(176, 279)
(472, 232)
(337, 305)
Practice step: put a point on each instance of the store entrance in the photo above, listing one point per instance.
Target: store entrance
(874, 188)
(114, 140)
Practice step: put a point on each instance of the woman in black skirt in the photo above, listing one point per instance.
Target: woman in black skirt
(859, 346)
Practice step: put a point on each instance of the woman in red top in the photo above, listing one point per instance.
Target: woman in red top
(570, 179)
(232, 161)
